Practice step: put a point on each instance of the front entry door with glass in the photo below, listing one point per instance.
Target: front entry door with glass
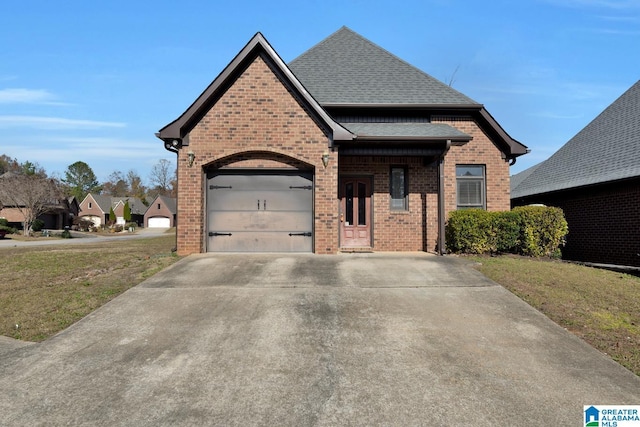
(355, 212)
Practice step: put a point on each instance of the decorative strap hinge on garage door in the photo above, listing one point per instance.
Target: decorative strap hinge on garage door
(217, 187)
(303, 187)
(213, 234)
(307, 234)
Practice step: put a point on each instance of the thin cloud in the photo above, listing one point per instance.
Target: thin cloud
(51, 123)
(27, 96)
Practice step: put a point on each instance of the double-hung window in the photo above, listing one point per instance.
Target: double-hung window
(470, 186)
(399, 188)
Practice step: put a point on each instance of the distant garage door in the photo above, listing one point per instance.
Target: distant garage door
(260, 211)
(159, 222)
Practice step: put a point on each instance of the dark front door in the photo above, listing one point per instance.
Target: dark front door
(355, 212)
(260, 211)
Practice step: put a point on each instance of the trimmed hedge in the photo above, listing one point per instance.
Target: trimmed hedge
(527, 230)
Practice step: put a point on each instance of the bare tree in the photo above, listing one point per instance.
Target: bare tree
(136, 187)
(162, 178)
(31, 195)
(116, 185)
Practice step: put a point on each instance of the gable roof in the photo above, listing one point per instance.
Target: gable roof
(607, 149)
(103, 202)
(257, 46)
(343, 68)
(347, 70)
(169, 202)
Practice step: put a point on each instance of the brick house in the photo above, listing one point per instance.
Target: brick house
(595, 179)
(161, 213)
(96, 208)
(346, 148)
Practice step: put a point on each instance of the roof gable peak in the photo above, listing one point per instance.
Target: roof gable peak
(257, 46)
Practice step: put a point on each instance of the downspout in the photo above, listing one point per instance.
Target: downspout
(441, 202)
(174, 146)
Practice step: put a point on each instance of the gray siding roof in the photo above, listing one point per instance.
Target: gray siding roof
(346, 68)
(607, 149)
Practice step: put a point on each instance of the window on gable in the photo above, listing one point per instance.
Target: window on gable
(89, 205)
(398, 188)
(158, 205)
(470, 186)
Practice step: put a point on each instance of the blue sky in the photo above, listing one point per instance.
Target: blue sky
(93, 81)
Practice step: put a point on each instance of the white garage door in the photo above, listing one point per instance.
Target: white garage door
(260, 211)
(159, 222)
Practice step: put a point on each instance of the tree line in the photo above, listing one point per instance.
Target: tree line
(78, 179)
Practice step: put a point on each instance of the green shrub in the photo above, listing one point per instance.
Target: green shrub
(66, 234)
(505, 231)
(468, 231)
(532, 230)
(4, 222)
(37, 225)
(8, 230)
(542, 230)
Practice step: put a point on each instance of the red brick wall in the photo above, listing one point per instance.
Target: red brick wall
(413, 230)
(12, 215)
(257, 117)
(603, 222)
(479, 151)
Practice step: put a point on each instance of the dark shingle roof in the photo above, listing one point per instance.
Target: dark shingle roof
(346, 68)
(406, 130)
(518, 178)
(607, 149)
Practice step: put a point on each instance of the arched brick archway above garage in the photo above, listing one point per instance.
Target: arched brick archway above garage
(259, 159)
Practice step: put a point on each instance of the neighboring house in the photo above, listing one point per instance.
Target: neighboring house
(595, 179)
(96, 208)
(60, 213)
(161, 213)
(346, 148)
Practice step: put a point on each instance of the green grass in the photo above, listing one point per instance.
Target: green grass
(44, 290)
(600, 306)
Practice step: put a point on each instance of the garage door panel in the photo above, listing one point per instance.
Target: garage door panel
(260, 211)
(264, 200)
(260, 242)
(259, 221)
(258, 181)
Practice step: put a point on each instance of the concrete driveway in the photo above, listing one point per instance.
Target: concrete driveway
(279, 340)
